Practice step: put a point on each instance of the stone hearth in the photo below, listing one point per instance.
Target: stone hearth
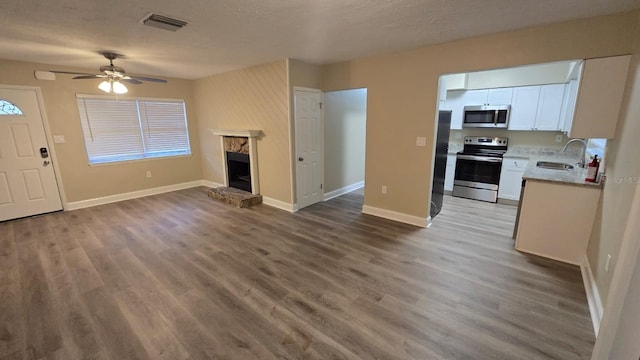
(235, 197)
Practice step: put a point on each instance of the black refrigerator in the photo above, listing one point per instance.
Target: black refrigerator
(440, 162)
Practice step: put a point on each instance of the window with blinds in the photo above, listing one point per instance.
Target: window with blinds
(132, 129)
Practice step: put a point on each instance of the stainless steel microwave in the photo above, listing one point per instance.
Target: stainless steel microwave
(486, 116)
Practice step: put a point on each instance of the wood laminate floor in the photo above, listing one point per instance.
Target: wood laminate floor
(181, 276)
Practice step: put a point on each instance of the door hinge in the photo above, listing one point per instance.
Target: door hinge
(320, 186)
(320, 105)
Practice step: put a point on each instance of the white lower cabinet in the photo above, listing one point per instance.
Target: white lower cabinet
(511, 178)
(450, 172)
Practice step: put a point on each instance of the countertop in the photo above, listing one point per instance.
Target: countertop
(574, 177)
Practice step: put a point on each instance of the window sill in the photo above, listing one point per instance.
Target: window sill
(150, 158)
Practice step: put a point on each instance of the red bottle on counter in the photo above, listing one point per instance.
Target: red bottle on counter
(592, 170)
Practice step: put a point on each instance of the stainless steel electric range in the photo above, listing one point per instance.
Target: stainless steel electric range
(478, 168)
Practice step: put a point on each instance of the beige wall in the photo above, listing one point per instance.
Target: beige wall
(306, 75)
(623, 173)
(81, 181)
(402, 94)
(254, 98)
(345, 124)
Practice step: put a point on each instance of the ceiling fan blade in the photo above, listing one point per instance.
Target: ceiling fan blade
(131, 81)
(142, 78)
(88, 77)
(69, 72)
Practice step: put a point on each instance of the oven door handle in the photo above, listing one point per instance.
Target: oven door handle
(480, 158)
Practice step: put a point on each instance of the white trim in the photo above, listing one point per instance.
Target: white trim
(279, 204)
(344, 190)
(306, 89)
(395, 216)
(593, 296)
(210, 184)
(291, 139)
(237, 132)
(252, 137)
(74, 205)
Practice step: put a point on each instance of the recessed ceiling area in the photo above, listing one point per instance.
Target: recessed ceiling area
(224, 35)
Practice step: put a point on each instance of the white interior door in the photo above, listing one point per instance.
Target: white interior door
(309, 131)
(27, 180)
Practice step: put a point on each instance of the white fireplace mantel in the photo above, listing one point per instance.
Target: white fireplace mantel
(252, 136)
(236, 133)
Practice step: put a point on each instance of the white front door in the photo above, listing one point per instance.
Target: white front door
(27, 180)
(309, 131)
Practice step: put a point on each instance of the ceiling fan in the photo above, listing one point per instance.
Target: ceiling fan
(113, 76)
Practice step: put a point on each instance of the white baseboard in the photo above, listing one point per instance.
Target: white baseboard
(593, 296)
(279, 204)
(344, 190)
(395, 216)
(74, 205)
(211, 184)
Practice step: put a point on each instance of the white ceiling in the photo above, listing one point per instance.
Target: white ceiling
(223, 35)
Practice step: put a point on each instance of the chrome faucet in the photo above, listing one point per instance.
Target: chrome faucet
(584, 150)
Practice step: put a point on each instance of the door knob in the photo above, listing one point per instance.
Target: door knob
(300, 158)
(46, 162)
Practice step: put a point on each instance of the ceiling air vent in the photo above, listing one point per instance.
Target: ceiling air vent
(163, 22)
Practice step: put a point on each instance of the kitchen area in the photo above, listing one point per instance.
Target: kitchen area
(532, 137)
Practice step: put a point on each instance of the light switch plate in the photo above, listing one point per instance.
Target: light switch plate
(458, 135)
(58, 139)
(421, 141)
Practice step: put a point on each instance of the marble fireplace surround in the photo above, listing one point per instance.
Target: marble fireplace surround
(252, 137)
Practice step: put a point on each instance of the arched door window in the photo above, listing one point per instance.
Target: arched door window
(7, 108)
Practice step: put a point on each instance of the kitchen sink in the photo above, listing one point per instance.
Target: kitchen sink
(554, 165)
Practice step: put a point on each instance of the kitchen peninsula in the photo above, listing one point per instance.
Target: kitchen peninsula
(556, 213)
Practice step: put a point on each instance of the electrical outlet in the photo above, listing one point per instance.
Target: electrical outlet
(457, 135)
(384, 189)
(606, 265)
(148, 173)
(558, 138)
(421, 141)
(58, 139)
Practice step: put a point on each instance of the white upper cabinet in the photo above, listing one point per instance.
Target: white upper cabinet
(550, 107)
(500, 96)
(599, 97)
(524, 107)
(475, 97)
(537, 107)
(455, 103)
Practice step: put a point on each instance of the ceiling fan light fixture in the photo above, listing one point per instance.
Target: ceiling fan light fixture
(105, 86)
(119, 88)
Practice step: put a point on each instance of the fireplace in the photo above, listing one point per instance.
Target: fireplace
(240, 158)
(238, 171)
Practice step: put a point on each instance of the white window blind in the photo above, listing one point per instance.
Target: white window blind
(129, 129)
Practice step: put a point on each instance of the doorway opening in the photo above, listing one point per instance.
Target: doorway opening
(540, 99)
(342, 138)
